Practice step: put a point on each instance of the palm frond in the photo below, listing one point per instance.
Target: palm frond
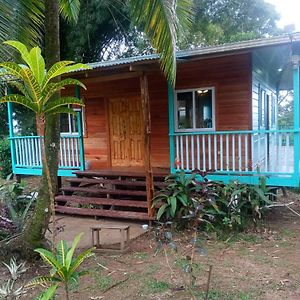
(62, 110)
(52, 88)
(158, 20)
(63, 67)
(19, 99)
(20, 20)
(61, 102)
(69, 9)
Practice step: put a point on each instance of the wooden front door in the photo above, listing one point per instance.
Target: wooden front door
(126, 132)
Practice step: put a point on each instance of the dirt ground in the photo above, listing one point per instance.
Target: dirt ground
(254, 265)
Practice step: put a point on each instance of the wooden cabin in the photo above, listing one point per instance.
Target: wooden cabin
(221, 117)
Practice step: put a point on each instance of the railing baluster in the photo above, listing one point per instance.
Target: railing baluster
(221, 152)
(227, 152)
(73, 155)
(198, 152)
(181, 152)
(177, 152)
(246, 152)
(193, 152)
(203, 152)
(187, 152)
(240, 152)
(280, 169)
(209, 152)
(233, 152)
(215, 152)
(17, 151)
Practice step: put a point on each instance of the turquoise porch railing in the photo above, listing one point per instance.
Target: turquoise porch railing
(28, 160)
(238, 155)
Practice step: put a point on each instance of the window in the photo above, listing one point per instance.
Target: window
(69, 124)
(195, 109)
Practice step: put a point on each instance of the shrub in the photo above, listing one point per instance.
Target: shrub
(208, 204)
(5, 158)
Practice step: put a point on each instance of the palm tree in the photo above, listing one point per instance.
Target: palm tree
(37, 88)
(161, 20)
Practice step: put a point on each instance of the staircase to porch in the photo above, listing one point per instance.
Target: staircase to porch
(107, 193)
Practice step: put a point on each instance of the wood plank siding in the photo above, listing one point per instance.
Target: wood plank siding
(230, 75)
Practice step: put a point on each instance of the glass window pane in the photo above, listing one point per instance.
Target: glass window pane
(185, 110)
(64, 123)
(203, 107)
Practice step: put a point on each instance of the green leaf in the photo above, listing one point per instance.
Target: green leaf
(48, 294)
(52, 88)
(161, 211)
(42, 280)
(70, 253)
(22, 100)
(69, 10)
(173, 206)
(62, 110)
(49, 258)
(61, 68)
(81, 258)
(63, 101)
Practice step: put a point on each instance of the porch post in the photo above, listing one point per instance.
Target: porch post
(171, 127)
(147, 141)
(80, 131)
(11, 133)
(296, 120)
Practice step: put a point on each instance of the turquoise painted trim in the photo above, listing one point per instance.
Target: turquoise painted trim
(38, 172)
(80, 131)
(11, 135)
(171, 126)
(296, 82)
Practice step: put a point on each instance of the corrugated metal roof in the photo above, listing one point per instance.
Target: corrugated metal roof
(244, 45)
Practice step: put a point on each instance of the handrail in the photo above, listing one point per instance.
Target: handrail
(235, 132)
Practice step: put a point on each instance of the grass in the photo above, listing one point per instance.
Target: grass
(217, 295)
(153, 286)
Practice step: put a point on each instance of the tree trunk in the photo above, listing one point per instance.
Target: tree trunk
(34, 233)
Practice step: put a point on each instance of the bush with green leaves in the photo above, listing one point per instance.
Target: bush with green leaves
(208, 204)
(5, 158)
(64, 268)
(174, 201)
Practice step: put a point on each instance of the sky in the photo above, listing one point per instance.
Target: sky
(289, 11)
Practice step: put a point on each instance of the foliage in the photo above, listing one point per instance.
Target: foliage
(7, 289)
(175, 200)
(235, 205)
(15, 208)
(5, 158)
(224, 21)
(64, 267)
(203, 203)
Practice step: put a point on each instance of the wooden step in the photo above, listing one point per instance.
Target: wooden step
(115, 182)
(104, 191)
(102, 213)
(107, 181)
(102, 201)
(117, 173)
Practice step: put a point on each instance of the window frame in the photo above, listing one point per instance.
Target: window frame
(213, 111)
(69, 123)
